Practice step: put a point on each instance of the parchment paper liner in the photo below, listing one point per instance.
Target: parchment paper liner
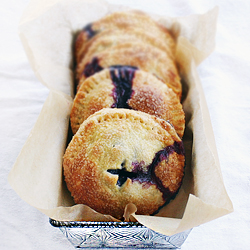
(46, 30)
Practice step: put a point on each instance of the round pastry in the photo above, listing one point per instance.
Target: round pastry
(120, 156)
(112, 37)
(127, 87)
(123, 20)
(141, 55)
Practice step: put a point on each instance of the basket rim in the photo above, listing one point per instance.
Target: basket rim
(87, 224)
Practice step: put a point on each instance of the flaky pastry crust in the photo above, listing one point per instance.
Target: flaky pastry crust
(119, 156)
(141, 55)
(112, 37)
(136, 90)
(122, 20)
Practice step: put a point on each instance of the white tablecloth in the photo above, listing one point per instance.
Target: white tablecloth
(226, 81)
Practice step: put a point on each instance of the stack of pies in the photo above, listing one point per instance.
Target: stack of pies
(127, 117)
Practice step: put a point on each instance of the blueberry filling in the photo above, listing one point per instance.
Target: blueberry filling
(148, 177)
(122, 78)
(123, 175)
(160, 156)
(89, 31)
(92, 67)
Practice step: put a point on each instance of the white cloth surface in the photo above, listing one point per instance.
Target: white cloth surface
(225, 76)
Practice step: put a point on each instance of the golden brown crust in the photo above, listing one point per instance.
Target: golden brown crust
(137, 54)
(133, 155)
(149, 95)
(111, 37)
(113, 139)
(123, 20)
(93, 95)
(171, 176)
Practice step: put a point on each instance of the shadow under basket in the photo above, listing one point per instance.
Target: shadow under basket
(85, 234)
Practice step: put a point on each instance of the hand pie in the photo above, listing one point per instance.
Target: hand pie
(127, 87)
(120, 156)
(123, 20)
(141, 55)
(112, 37)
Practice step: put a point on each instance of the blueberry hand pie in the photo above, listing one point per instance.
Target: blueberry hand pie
(127, 87)
(137, 54)
(122, 20)
(120, 156)
(126, 118)
(111, 37)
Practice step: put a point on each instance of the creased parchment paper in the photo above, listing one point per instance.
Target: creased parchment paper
(46, 30)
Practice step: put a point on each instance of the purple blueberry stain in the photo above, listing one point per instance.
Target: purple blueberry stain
(123, 175)
(146, 174)
(92, 67)
(122, 79)
(142, 176)
(89, 31)
(160, 156)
